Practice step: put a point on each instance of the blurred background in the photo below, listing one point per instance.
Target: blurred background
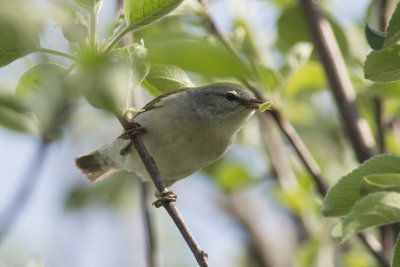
(238, 211)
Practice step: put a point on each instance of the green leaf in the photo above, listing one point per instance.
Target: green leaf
(292, 29)
(375, 38)
(373, 210)
(13, 115)
(386, 90)
(15, 41)
(105, 82)
(393, 30)
(140, 66)
(42, 90)
(345, 193)
(89, 5)
(380, 182)
(141, 13)
(232, 175)
(198, 56)
(310, 77)
(384, 65)
(396, 254)
(73, 25)
(164, 78)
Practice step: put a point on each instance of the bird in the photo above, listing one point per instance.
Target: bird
(185, 130)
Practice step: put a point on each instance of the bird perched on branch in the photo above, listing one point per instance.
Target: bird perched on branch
(184, 130)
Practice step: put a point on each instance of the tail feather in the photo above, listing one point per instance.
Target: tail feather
(95, 166)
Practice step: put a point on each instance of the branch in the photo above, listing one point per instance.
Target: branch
(54, 52)
(328, 50)
(357, 129)
(361, 141)
(152, 169)
(28, 183)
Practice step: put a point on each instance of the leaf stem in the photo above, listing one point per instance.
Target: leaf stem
(55, 52)
(113, 42)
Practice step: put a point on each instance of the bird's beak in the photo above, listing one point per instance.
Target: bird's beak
(253, 103)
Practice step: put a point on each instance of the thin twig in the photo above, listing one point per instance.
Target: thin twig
(148, 224)
(152, 169)
(28, 184)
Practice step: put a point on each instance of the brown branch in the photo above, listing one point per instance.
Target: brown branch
(357, 129)
(11, 213)
(332, 60)
(170, 207)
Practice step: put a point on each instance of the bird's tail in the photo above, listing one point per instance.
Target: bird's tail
(95, 166)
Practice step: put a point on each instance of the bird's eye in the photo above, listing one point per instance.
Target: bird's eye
(230, 97)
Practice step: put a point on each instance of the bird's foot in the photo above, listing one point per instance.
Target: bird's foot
(165, 197)
(133, 129)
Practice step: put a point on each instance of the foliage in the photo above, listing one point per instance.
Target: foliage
(185, 50)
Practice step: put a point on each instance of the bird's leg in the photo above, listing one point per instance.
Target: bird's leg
(165, 197)
(133, 129)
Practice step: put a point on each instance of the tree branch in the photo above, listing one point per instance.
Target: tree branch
(328, 50)
(28, 183)
(170, 207)
(357, 129)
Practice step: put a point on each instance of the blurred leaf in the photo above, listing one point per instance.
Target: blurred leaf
(345, 193)
(387, 90)
(139, 65)
(380, 182)
(375, 38)
(73, 25)
(283, 3)
(109, 192)
(140, 13)
(231, 176)
(393, 30)
(89, 5)
(165, 78)
(42, 89)
(104, 81)
(200, 56)
(373, 210)
(270, 78)
(292, 29)
(384, 65)
(15, 41)
(13, 115)
(396, 254)
(310, 77)
(297, 57)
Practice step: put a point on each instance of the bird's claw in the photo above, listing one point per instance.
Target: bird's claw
(133, 129)
(165, 197)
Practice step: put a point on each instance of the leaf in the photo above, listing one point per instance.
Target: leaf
(199, 56)
(393, 30)
(310, 77)
(375, 38)
(387, 90)
(164, 78)
(384, 65)
(380, 182)
(105, 82)
(231, 176)
(41, 89)
(373, 210)
(139, 65)
(73, 25)
(15, 41)
(345, 193)
(141, 13)
(396, 254)
(89, 5)
(292, 29)
(14, 117)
